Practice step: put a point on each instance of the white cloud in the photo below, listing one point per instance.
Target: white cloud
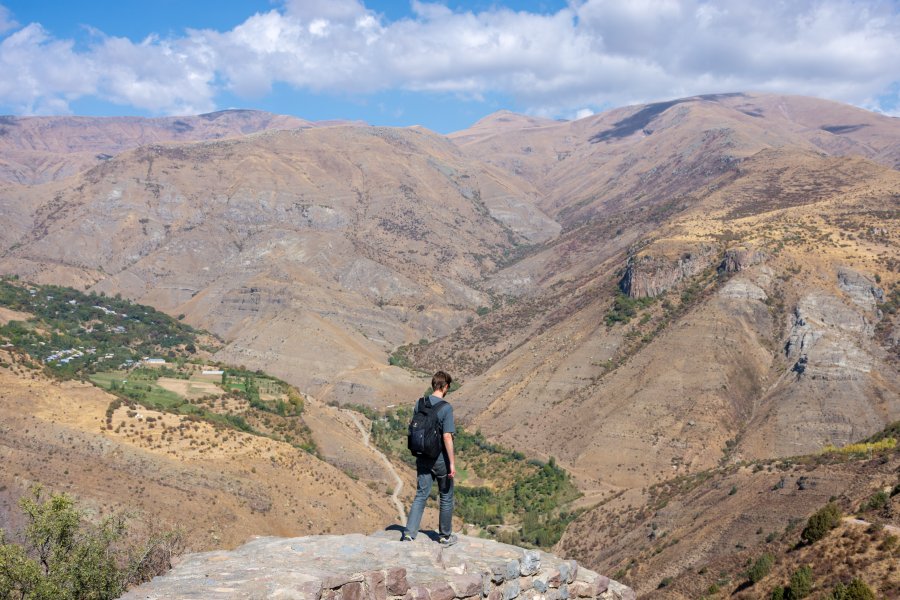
(591, 53)
(6, 20)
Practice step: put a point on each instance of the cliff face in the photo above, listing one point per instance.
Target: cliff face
(378, 567)
(647, 276)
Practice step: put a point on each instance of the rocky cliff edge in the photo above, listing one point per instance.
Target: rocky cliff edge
(378, 567)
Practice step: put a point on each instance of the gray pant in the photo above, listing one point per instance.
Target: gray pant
(427, 471)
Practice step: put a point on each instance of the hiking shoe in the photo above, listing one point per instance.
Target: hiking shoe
(448, 540)
(406, 538)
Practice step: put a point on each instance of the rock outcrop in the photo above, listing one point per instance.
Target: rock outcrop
(379, 567)
(738, 259)
(647, 276)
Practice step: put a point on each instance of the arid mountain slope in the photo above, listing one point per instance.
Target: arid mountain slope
(702, 532)
(220, 485)
(313, 252)
(40, 149)
(754, 237)
(762, 260)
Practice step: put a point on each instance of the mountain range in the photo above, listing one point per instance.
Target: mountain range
(641, 294)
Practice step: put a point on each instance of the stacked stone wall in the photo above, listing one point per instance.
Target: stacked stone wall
(378, 567)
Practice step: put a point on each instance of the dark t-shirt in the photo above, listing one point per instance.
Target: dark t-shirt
(445, 418)
(445, 414)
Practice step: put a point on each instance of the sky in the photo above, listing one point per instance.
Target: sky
(443, 65)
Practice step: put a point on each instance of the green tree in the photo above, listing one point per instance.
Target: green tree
(856, 590)
(821, 522)
(60, 559)
(761, 568)
(801, 584)
(63, 558)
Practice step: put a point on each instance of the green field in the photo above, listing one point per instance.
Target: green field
(142, 389)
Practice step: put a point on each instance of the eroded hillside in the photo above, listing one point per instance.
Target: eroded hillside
(313, 253)
(219, 485)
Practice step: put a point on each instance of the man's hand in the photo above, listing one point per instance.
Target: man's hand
(448, 445)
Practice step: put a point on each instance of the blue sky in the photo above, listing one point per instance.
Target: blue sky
(439, 64)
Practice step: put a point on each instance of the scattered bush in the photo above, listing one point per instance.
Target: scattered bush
(821, 522)
(64, 558)
(876, 501)
(855, 590)
(761, 568)
(801, 584)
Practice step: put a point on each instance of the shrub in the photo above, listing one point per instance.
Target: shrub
(761, 568)
(62, 557)
(801, 584)
(856, 590)
(876, 501)
(777, 593)
(821, 522)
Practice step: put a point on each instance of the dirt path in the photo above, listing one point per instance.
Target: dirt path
(855, 521)
(395, 497)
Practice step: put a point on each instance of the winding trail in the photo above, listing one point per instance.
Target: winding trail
(366, 438)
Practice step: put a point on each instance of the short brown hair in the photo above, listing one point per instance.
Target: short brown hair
(440, 380)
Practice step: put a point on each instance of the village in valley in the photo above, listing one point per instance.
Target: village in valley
(143, 356)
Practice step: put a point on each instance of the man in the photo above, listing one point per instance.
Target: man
(442, 468)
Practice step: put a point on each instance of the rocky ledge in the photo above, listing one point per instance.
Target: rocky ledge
(378, 567)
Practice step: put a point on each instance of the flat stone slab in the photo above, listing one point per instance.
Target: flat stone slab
(376, 567)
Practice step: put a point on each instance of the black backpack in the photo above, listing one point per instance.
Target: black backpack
(424, 438)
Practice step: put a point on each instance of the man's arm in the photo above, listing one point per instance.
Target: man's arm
(448, 445)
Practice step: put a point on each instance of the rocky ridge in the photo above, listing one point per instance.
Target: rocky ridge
(378, 567)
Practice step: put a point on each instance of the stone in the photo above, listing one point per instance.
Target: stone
(358, 567)
(738, 259)
(441, 591)
(741, 289)
(396, 582)
(353, 591)
(465, 586)
(617, 591)
(530, 563)
(511, 589)
(498, 574)
(375, 584)
(540, 582)
(416, 592)
(648, 276)
(512, 569)
(554, 578)
(338, 580)
(573, 571)
(862, 291)
(486, 584)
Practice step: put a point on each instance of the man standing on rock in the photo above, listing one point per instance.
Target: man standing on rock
(441, 468)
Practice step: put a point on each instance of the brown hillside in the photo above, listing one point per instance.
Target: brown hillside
(219, 485)
(314, 253)
(702, 532)
(40, 149)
